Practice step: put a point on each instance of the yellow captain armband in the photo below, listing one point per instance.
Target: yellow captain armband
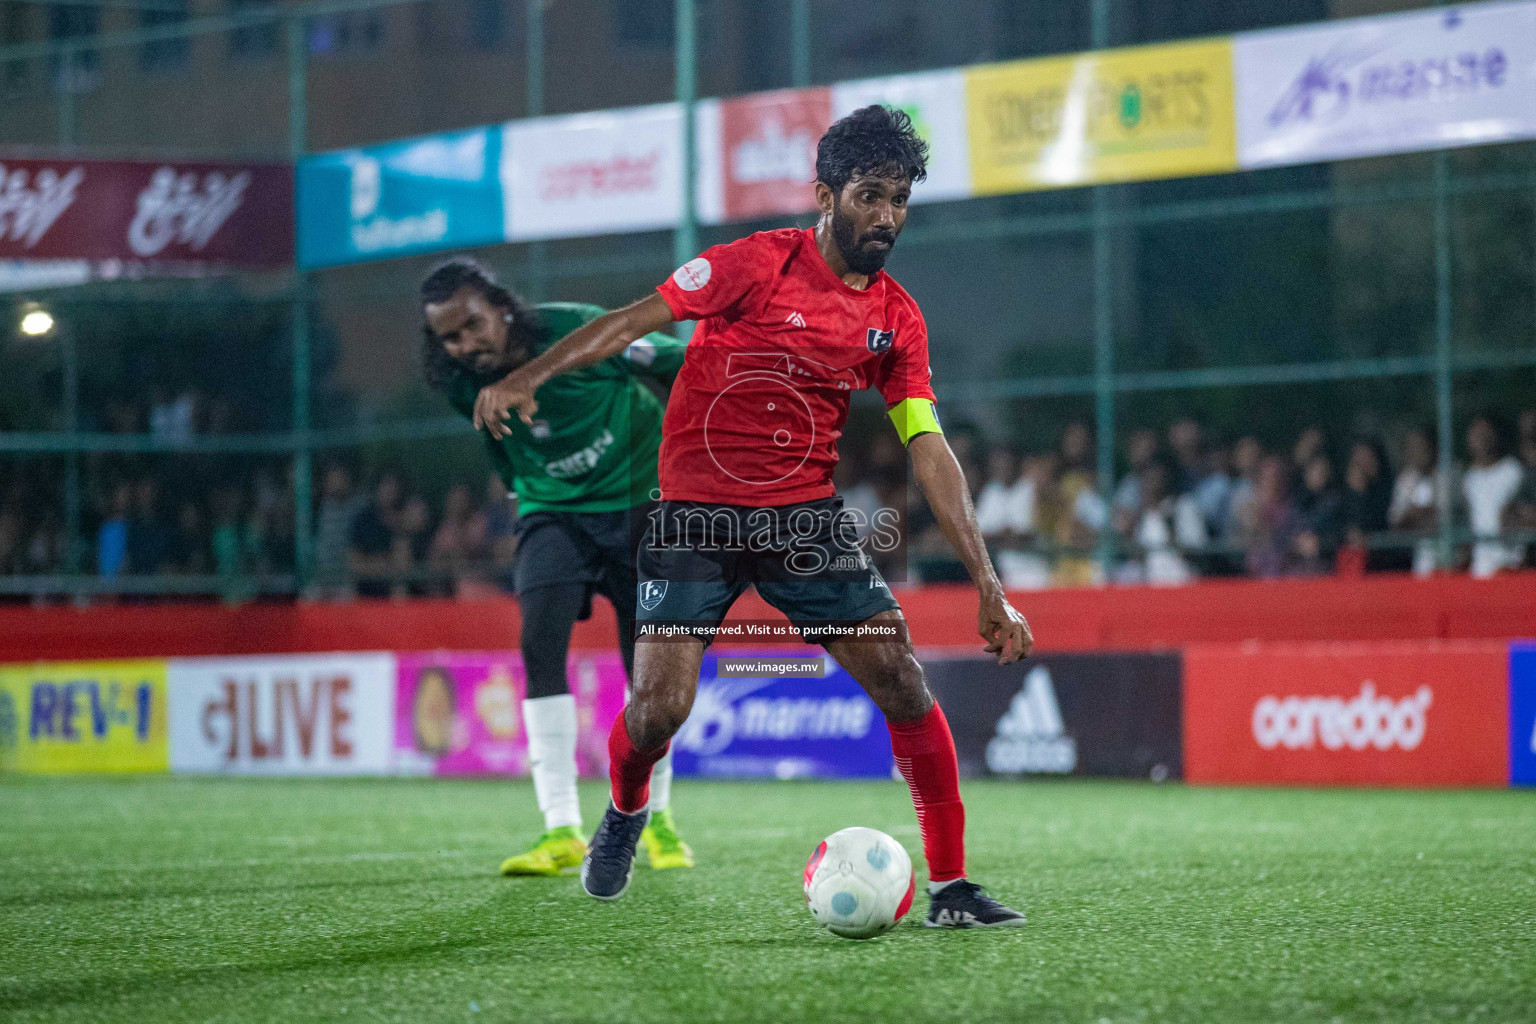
(914, 416)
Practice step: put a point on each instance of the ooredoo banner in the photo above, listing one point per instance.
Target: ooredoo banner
(78, 717)
(461, 714)
(303, 715)
(1063, 714)
(131, 217)
(1451, 76)
(782, 727)
(590, 174)
(1410, 714)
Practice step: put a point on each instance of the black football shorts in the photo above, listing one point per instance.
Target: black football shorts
(804, 559)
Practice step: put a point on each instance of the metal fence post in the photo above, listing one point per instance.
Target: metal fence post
(538, 251)
(303, 463)
(685, 240)
(68, 105)
(800, 43)
(1104, 331)
(70, 352)
(1445, 427)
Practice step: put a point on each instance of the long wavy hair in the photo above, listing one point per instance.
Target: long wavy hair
(441, 370)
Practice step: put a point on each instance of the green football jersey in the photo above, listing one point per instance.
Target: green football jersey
(593, 443)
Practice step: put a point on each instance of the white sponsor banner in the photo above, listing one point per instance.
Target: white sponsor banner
(590, 174)
(329, 714)
(935, 100)
(709, 165)
(1451, 76)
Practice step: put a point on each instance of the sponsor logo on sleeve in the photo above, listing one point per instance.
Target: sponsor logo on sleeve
(693, 275)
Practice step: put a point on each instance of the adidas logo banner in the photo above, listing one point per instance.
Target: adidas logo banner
(1068, 714)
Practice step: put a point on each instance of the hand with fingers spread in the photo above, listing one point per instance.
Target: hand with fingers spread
(1002, 627)
(495, 404)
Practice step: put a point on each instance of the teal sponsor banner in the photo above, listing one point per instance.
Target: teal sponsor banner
(418, 195)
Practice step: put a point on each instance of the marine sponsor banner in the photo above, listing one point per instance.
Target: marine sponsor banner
(1522, 714)
(139, 218)
(782, 727)
(1409, 714)
(1063, 714)
(935, 101)
(1452, 76)
(329, 714)
(591, 174)
(418, 195)
(461, 713)
(1112, 115)
(90, 716)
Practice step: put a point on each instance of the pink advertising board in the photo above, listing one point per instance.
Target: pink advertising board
(459, 713)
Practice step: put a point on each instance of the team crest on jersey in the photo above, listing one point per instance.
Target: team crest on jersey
(879, 341)
(652, 593)
(539, 429)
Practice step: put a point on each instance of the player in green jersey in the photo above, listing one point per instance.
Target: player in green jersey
(584, 474)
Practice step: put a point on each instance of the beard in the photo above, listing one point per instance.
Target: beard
(856, 252)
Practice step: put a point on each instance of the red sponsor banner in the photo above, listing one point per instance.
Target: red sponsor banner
(769, 141)
(143, 214)
(1408, 714)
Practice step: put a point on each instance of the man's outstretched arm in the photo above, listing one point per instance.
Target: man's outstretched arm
(938, 474)
(591, 343)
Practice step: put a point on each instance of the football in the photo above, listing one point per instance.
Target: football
(859, 883)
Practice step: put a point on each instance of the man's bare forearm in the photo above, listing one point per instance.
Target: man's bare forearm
(943, 484)
(604, 337)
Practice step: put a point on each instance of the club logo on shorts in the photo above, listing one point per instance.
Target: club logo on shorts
(879, 341)
(693, 275)
(652, 593)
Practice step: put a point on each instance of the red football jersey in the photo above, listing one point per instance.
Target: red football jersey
(757, 409)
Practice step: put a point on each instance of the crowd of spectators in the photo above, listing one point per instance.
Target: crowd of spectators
(1184, 506)
(1187, 507)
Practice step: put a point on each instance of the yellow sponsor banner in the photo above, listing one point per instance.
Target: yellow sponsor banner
(86, 716)
(1112, 115)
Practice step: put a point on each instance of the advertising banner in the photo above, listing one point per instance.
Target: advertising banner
(1522, 714)
(419, 195)
(1409, 714)
(768, 151)
(1114, 115)
(782, 727)
(1063, 714)
(327, 714)
(91, 716)
(1453, 76)
(461, 713)
(137, 218)
(591, 174)
(935, 101)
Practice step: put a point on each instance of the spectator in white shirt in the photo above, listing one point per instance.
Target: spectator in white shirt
(1489, 486)
(1139, 453)
(1415, 506)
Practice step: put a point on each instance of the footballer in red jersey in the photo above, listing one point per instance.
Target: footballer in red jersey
(790, 324)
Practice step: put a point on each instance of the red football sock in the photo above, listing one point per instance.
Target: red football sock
(925, 756)
(629, 770)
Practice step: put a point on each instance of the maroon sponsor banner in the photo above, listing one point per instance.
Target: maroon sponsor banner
(133, 216)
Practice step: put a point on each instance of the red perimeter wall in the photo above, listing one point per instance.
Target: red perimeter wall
(1128, 618)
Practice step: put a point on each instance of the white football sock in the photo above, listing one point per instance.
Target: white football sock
(551, 725)
(934, 887)
(661, 782)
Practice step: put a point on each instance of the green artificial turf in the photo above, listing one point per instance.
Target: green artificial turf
(296, 900)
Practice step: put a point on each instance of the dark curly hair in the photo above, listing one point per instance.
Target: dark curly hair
(446, 279)
(872, 140)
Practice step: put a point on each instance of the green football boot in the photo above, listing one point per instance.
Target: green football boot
(663, 847)
(558, 852)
